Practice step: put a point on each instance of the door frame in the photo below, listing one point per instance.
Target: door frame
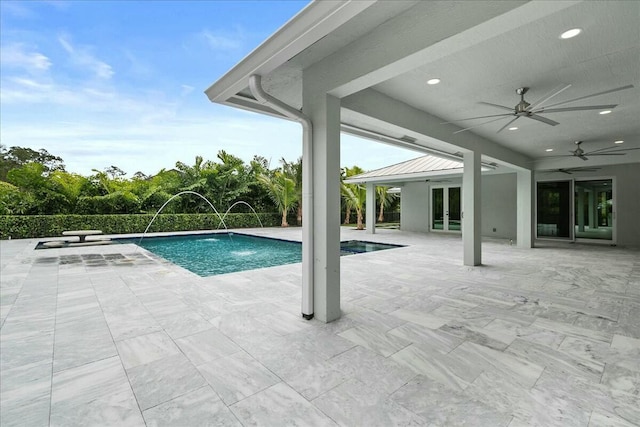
(614, 211)
(572, 205)
(445, 207)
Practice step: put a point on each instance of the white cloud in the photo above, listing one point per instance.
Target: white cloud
(219, 40)
(17, 55)
(186, 90)
(82, 57)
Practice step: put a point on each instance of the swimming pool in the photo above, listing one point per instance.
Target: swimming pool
(220, 253)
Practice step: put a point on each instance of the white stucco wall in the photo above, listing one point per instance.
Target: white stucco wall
(499, 205)
(627, 197)
(414, 207)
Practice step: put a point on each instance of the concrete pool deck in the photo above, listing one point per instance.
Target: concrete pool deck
(109, 335)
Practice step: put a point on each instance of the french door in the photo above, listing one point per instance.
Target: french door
(576, 210)
(446, 209)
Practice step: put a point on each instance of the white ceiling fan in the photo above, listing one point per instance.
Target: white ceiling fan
(533, 111)
(570, 171)
(607, 151)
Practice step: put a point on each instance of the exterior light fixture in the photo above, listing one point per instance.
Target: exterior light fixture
(513, 128)
(433, 81)
(570, 33)
(548, 150)
(618, 141)
(605, 112)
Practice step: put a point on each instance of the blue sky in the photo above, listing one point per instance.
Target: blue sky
(103, 83)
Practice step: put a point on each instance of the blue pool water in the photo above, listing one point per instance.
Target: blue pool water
(220, 253)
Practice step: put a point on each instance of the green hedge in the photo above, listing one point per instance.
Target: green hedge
(29, 226)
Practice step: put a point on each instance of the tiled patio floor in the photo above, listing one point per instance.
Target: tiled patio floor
(108, 336)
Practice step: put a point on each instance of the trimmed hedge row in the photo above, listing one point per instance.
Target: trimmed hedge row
(30, 226)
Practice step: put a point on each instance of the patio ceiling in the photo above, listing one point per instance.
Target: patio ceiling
(384, 52)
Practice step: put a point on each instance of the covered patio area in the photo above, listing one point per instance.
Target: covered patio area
(537, 337)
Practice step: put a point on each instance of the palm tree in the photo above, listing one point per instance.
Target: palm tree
(293, 170)
(385, 199)
(282, 191)
(354, 195)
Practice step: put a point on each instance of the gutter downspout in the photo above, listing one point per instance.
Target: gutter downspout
(255, 85)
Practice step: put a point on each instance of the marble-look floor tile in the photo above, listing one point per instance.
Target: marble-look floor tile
(576, 331)
(164, 379)
(206, 346)
(606, 419)
(25, 403)
(426, 337)
(311, 379)
(439, 405)
(237, 376)
(482, 336)
(528, 333)
(201, 407)
(419, 318)
(436, 366)
(377, 372)
(182, 324)
(521, 371)
(622, 379)
(553, 359)
(355, 404)
(279, 405)
(94, 394)
(144, 349)
(375, 340)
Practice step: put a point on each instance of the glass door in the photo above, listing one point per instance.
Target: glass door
(594, 209)
(446, 209)
(554, 210)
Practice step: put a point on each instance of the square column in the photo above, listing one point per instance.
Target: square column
(371, 209)
(524, 210)
(324, 112)
(471, 208)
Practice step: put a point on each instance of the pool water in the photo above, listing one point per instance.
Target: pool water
(220, 253)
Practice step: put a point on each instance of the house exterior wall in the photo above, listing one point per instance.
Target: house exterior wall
(498, 206)
(414, 207)
(627, 196)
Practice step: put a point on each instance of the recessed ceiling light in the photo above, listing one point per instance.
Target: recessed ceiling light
(605, 112)
(433, 81)
(549, 150)
(513, 128)
(618, 141)
(570, 33)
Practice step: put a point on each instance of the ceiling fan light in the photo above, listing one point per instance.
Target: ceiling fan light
(433, 81)
(605, 112)
(618, 141)
(570, 33)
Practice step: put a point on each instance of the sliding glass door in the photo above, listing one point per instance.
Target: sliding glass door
(594, 209)
(578, 209)
(554, 210)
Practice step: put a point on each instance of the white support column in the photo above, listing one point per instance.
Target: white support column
(471, 208)
(371, 208)
(324, 112)
(524, 215)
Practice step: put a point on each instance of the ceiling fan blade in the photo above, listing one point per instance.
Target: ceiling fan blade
(479, 124)
(592, 95)
(583, 157)
(568, 172)
(608, 150)
(547, 97)
(479, 117)
(605, 154)
(589, 107)
(542, 119)
(507, 125)
(497, 106)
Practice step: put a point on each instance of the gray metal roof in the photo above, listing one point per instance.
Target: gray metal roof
(410, 170)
